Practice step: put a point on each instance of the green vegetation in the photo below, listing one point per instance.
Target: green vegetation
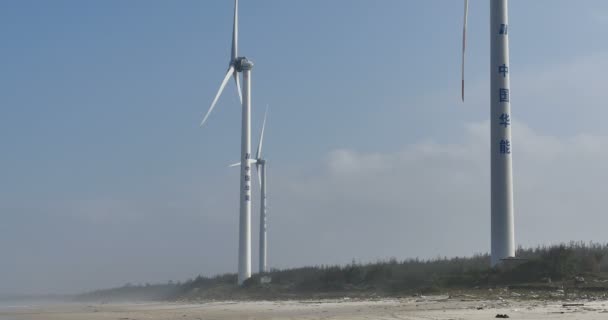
(577, 265)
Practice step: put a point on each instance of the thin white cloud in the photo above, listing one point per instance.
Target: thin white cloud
(433, 198)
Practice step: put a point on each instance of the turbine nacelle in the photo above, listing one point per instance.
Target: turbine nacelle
(241, 64)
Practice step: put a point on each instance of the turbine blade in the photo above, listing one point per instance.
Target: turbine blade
(219, 92)
(464, 43)
(259, 152)
(257, 168)
(234, 165)
(235, 31)
(238, 86)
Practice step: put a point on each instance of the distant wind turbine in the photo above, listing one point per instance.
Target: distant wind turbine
(243, 65)
(260, 164)
(261, 168)
(502, 224)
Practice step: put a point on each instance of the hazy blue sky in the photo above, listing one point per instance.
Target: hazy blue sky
(106, 177)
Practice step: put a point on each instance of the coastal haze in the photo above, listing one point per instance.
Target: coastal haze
(108, 180)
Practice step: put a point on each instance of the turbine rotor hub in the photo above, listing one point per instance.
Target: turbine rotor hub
(242, 64)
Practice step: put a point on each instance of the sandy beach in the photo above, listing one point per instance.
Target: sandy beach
(436, 307)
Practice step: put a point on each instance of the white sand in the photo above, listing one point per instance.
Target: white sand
(412, 308)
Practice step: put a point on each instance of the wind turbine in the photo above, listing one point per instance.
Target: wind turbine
(241, 65)
(260, 164)
(502, 225)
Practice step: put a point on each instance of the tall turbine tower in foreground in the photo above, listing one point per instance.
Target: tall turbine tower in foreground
(502, 225)
(241, 64)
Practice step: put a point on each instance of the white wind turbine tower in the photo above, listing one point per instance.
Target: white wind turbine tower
(260, 164)
(502, 225)
(243, 65)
